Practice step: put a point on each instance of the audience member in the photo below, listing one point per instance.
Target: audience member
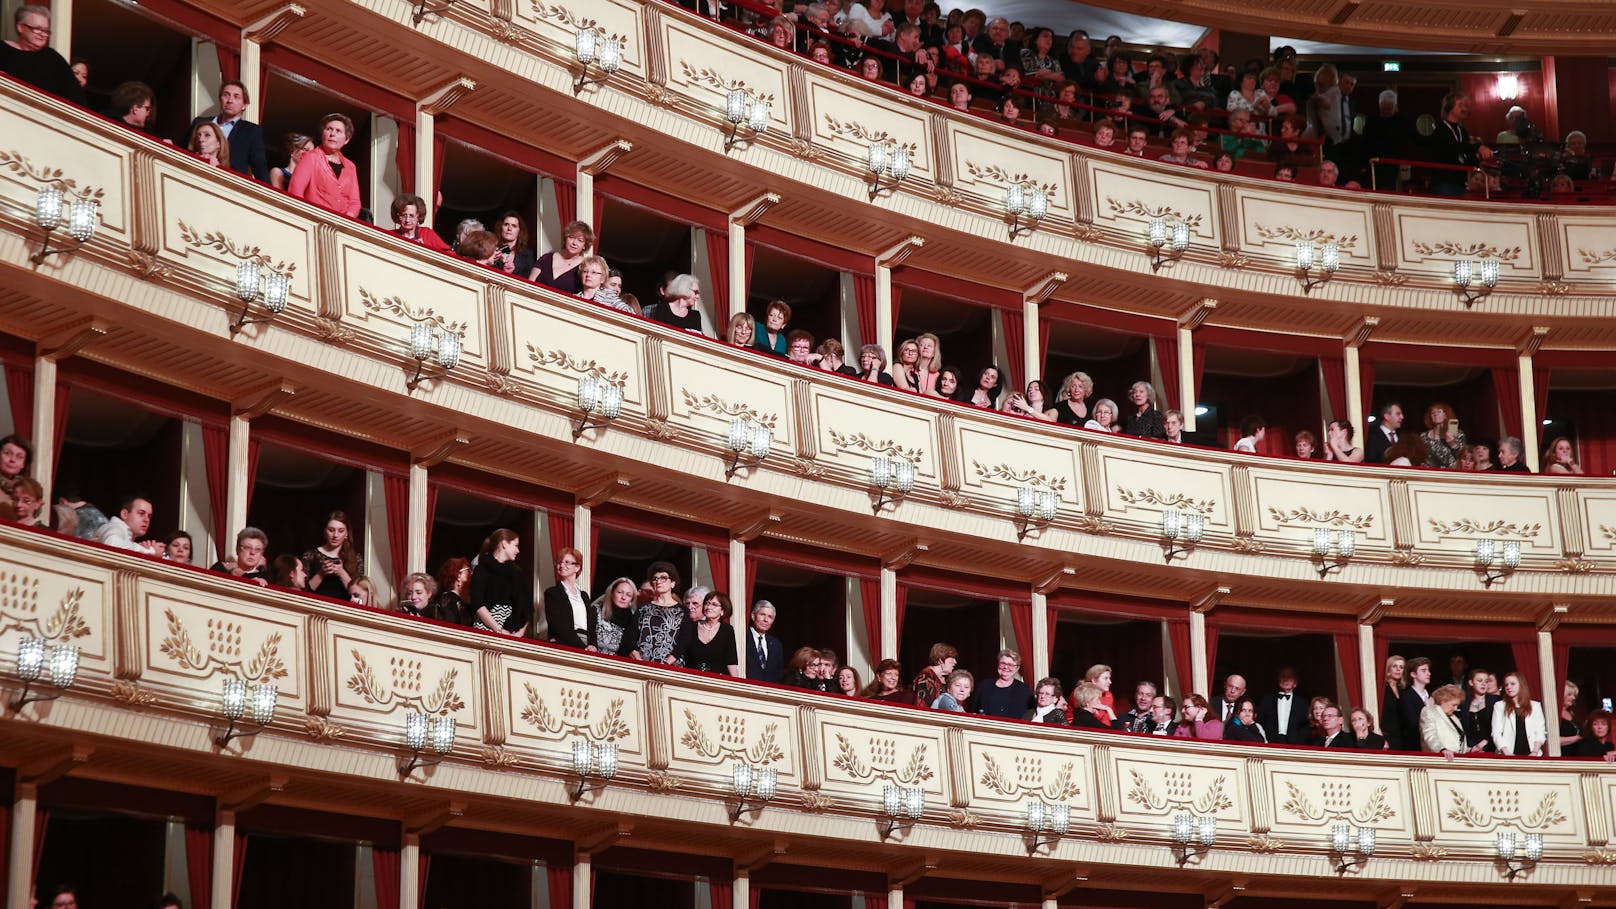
(1234, 688)
(679, 309)
(888, 684)
(16, 454)
(1415, 698)
(1438, 731)
(1162, 711)
(567, 613)
(1144, 420)
(30, 58)
(847, 682)
(416, 593)
(407, 213)
(296, 145)
(134, 104)
(1282, 717)
(1509, 456)
(327, 178)
(765, 657)
(1364, 737)
(1476, 711)
(208, 143)
(244, 138)
(1560, 458)
(1104, 417)
(1253, 429)
(770, 333)
(1306, 445)
(956, 693)
(1451, 143)
(712, 647)
(1387, 432)
(1088, 712)
(663, 616)
(1330, 734)
(128, 529)
(1138, 719)
(1195, 721)
(333, 564)
(931, 680)
(1007, 695)
(873, 364)
(1569, 733)
(498, 599)
(249, 562)
(454, 586)
(28, 504)
(1048, 704)
(362, 592)
(617, 627)
(1443, 437)
(1596, 738)
(1518, 723)
(1245, 727)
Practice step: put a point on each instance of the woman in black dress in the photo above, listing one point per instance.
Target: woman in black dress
(712, 648)
(1391, 699)
(333, 566)
(1071, 409)
(454, 585)
(1595, 741)
(559, 269)
(1364, 737)
(498, 602)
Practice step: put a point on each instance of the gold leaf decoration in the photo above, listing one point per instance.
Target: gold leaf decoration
(1574, 566)
(1264, 844)
(405, 691)
(996, 174)
(1593, 257)
(1386, 278)
(1111, 833)
(859, 441)
(1337, 798)
(1248, 545)
(1489, 528)
(499, 384)
(946, 195)
(1465, 812)
(506, 32)
(1609, 532)
(847, 129)
(1029, 779)
(1553, 288)
(1425, 852)
(1343, 242)
(1214, 800)
(702, 75)
(1166, 500)
(498, 758)
(1094, 525)
(147, 266)
(323, 730)
(18, 163)
(662, 781)
(1546, 814)
(816, 803)
(807, 151)
(565, 361)
(224, 650)
(130, 694)
(1467, 250)
(1599, 857)
(1228, 259)
(1297, 803)
(1332, 518)
(1087, 233)
(1143, 793)
(1180, 793)
(218, 242)
(882, 762)
(575, 716)
(1141, 210)
(719, 406)
(963, 820)
(332, 332)
(398, 307)
(660, 430)
(555, 12)
(1407, 558)
(805, 468)
(732, 743)
(953, 499)
(1021, 478)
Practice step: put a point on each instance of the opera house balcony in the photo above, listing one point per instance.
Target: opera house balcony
(190, 355)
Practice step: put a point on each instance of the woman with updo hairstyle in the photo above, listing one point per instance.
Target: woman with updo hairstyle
(297, 145)
(479, 246)
(499, 601)
(566, 603)
(1338, 443)
(454, 584)
(288, 573)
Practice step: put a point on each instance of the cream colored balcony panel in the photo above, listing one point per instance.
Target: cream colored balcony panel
(1155, 787)
(986, 161)
(560, 20)
(1139, 485)
(713, 731)
(1526, 803)
(1308, 797)
(1271, 224)
(1588, 245)
(1430, 239)
(550, 704)
(555, 345)
(214, 231)
(1448, 517)
(997, 460)
(1007, 770)
(847, 121)
(854, 428)
(864, 754)
(708, 393)
(66, 602)
(1290, 506)
(1598, 514)
(386, 295)
(41, 149)
(1127, 197)
(195, 637)
(705, 71)
(382, 675)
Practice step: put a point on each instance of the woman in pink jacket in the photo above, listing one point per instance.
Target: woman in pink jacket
(325, 177)
(1196, 721)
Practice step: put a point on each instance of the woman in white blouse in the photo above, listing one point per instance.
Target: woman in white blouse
(566, 607)
(1518, 724)
(869, 19)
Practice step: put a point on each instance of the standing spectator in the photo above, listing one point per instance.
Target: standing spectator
(566, 604)
(1388, 134)
(335, 563)
(131, 524)
(1518, 723)
(1282, 716)
(1234, 688)
(1416, 697)
(1569, 733)
(1253, 429)
(406, 211)
(1143, 419)
(1391, 700)
(1048, 706)
(931, 680)
(454, 585)
(1476, 711)
(712, 647)
(559, 268)
(1007, 696)
(246, 138)
(327, 178)
(1438, 731)
(513, 255)
(1386, 433)
(498, 599)
(765, 658)
(1451, 143)
(249, 561)
(663, 617)
(29, 57)
(998, 46)
(770, 334)
(617, 629)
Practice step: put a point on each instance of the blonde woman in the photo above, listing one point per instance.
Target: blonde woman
(1071, 410)
(1560, 457)
(930, 360)
(209, 144)
(1518, 725)
(1391, 699)
(740, 330)
(906, 371)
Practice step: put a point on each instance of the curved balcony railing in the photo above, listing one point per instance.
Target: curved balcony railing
(158, 644)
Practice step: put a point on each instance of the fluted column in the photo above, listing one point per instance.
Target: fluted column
(20, 862)
(1040, 637)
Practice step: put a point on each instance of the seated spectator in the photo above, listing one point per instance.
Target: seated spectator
(249, 562)
(616, 627)
(888, 684)
(1244, 726)
(1049, 706)
(918, 87)
(950, 387)
(1440, 732)
(1560, 457)
(1559, 183)
(1253, 429)
(297, 145)
(1064, 106)
(959, 96)
(1285, 172)
(847, 682)
(1144, 420)
(679, 311)
(1137, 717)
(740, 330)
(800, 348)
(1173, 427)
(134, 104)
(1006, 696)
(1195, 721)
(1164, 116)
(712, 648)
(1244, 140)
(988, 386)
(1138, 138)
(820, 53)
(592, 275)
(1274, 104)
(1444, 440)
(906, 372)
(829, 358)
(208, 143)
(1105, 134)
(15, 456)
(479, 246)
(1008, 110)
(1330, 734)
(1031, 403)
(771, 329)
(1223, 163)
(81, 72)
(244, 139)
(1519, 727)
(335, 562)
(870, 69)
(327, 178)
(1330, 176)
(1596, 738)
(1180, 154)
(1162, 711)
(566, 603)
(513, 255)
(466, 228)
(933, 679)
(1509, 456)
(28, 504)
(1574, 158)
(498, 599)
(74, 516)
(362, 592)
(802, 670)
(1338, 443)
(1105, 417)
(287, 572)
(125, 530)
(1069, 408)
(1306, 445)
(957, 692)
(1363, 737)
(1088, 709)
(454, 585)
(406, 212)
(30, 58)
(873, 364)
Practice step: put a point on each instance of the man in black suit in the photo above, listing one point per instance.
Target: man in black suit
(996, 44)
(1451, 143)
(1234, 688)
(1283, 714)
(246, 137)
(1333, 737)
(1415, 698)
(765, 657)
(1384, 434)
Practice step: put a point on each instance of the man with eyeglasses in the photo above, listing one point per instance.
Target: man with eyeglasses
(30, 58)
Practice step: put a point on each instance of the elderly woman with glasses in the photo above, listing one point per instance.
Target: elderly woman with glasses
(662, 620)
(31, 59)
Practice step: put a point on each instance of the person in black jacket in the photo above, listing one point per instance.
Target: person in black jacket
(765, 656)
(1143, 419)
(1284, 714)
(567, 609)
(246, 137)
(1244, 727)
(1363, 737)
(1413, 701)
(499, 599)
(31, 59)
(1451, 143)
(1384, 434)
(1476, 711)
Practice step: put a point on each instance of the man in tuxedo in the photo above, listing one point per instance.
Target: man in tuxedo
(1384, 434)
(1283, 714)
(1234, 688)
(765, 658)
(246, 137)
(1333, 737)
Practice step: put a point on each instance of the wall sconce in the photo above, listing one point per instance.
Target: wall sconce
(1167, 242)
(597, 397)
(422, 732)
(1488, 554)
(1035, 509)
(1509, 86)
(1193, 836)
(749, 444)
(593, 47)
(1350, 846)
(1464, 276)
(424, 8)
(1047, 823)
(36, 659)
(902, 806)
(889, 166)
(591, 759)
(744, 110)
(1325, 262)
(48, 210)
(1343, 542)
(1531, 850)
(1181, 532)
(1026, 203)
(889, 476)
(427, 343)
(253, 282)
(243, 698)
(753, 787)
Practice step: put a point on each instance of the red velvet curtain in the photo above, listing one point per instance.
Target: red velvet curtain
(1015, 348)
(897, 303)
(1021, 623)
(719, 557)
(1507, 391)
(566, 202)
(199, 864)
(63, 390)
(1524, 653)
(721, 892)
(386, 863)
(1333, 370)
(870, 599)
(754, 897)
(902, 604)
(1165, 348)
(1178, 634)
(20, 392)
(1346, 653)
(229, 63)
(425, 864)
(559, 877)
(742, 295)
(562, 531)
(1595, 420)
(396, 490)
(1562, 655)
(216, 464)
(718, 272)
(238, 862)
(404, 158)
(440, 156)
(864, 302)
